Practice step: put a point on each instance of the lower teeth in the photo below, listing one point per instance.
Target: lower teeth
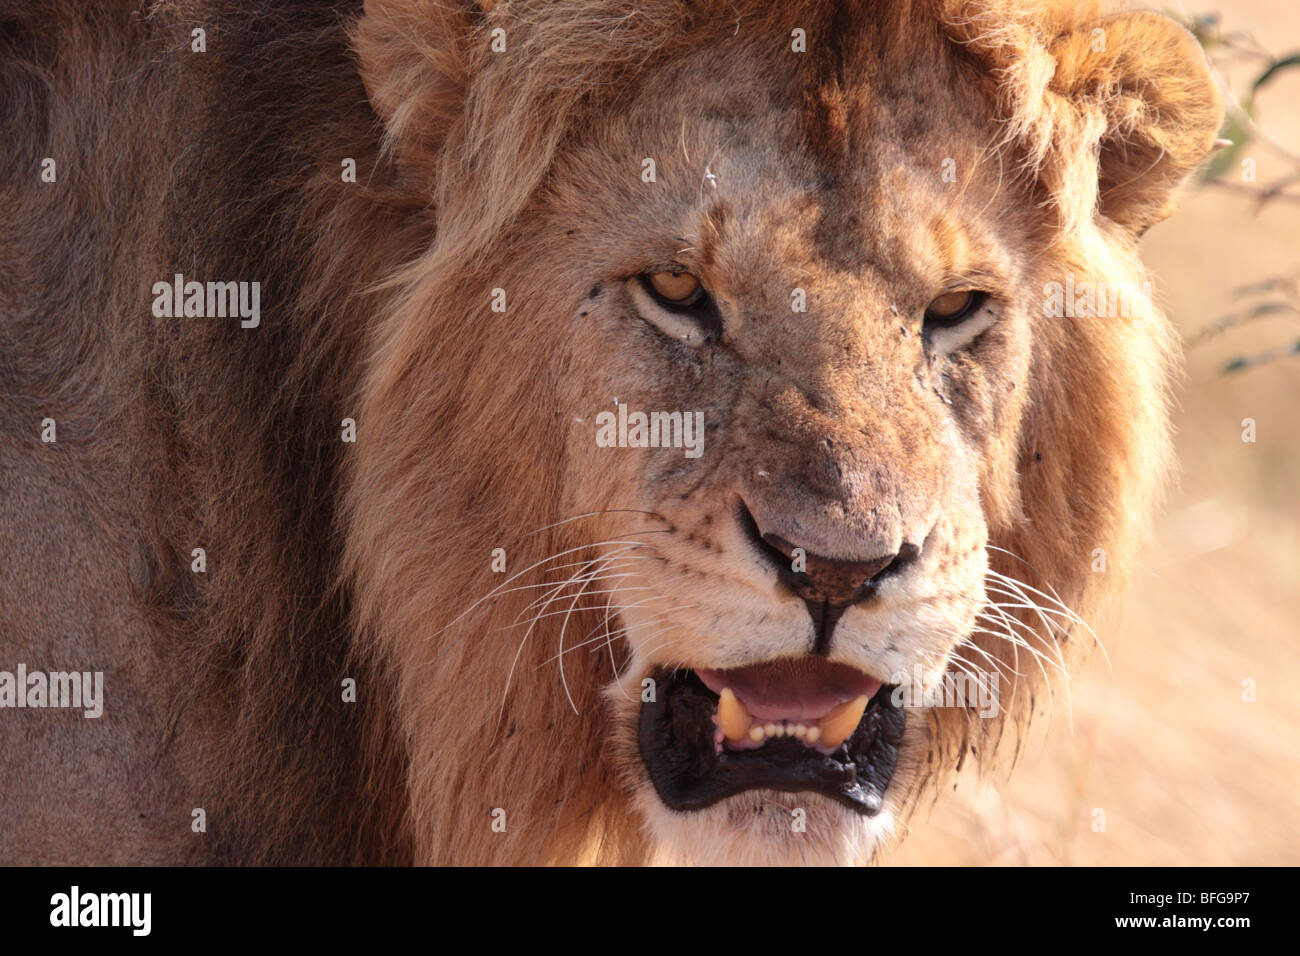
(735, 723)
(761, 732)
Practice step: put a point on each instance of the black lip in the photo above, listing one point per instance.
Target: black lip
(676, 734)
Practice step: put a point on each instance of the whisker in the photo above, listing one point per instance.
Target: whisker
(1059, 663)
(589, 639)
(555, 592)
(1035, 655)
(531, 567)
(539, 616)
(564, 681)
(1042, 613)
(997, 663)
(1056, 599)
(1053, 598)
(602, 565)
(591, 514)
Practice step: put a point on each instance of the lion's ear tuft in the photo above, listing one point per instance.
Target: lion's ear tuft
(414, 64)
(1142, 82)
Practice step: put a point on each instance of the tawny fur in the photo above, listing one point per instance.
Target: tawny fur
(520, 170)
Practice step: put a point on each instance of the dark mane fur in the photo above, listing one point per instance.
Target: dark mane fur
(234, 437)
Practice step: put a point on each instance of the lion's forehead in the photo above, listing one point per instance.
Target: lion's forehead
(850, 155)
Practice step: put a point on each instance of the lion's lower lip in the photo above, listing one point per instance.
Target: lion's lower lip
(677, 743)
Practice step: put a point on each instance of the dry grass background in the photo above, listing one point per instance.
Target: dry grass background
(1186, 771)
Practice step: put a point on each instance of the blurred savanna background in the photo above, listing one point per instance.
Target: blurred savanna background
(1185, 770)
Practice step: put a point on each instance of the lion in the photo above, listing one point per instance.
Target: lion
(669, 432)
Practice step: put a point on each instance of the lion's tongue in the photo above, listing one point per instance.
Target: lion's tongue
(803, 690)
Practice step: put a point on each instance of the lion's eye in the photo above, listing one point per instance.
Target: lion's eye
(951, 307)
(675, 289)
(676, 303)
(956, 319)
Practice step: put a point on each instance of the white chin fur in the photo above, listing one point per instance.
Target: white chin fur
(761, 828)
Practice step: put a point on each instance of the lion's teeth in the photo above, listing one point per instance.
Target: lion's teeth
(736, 723)
(842, 721)
(733, 718)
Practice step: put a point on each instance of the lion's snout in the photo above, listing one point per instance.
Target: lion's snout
(827, 585)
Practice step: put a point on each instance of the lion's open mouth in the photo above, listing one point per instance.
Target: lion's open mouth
(792, 725)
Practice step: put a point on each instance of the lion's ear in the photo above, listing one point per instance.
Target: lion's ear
(1142, 83)
(414, 63)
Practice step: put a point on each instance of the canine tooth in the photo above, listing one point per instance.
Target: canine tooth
(756, 733)
(813, 734)
(842, 721)
(733, 718)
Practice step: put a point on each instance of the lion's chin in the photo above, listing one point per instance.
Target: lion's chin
(764, 828)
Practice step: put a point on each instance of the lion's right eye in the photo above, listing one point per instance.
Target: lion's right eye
(676, 303)
(674, 290)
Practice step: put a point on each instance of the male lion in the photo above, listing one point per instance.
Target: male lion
(363, 577)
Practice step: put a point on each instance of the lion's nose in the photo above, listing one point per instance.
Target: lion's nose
(830, 580)
(827, 585)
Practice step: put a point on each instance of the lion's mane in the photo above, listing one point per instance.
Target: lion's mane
(331, 560)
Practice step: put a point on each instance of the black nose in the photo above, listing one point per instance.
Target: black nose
(829, 586)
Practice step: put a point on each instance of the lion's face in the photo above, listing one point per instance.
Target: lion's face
(848, 322)
(782, 312)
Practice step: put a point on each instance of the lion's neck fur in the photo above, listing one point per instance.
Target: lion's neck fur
(233, 435)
